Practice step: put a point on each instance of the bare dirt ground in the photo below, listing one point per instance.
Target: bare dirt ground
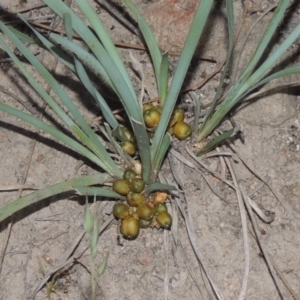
(159, 264)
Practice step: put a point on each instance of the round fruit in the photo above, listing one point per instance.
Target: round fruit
(137, 185)
(145, 223)
(177, 116)
(151, 117)
(160, 207)
(147, 106)
(121, 210)
(160, 197)
(135, 199)
(128, 134)
(158, 108)
(121, 186)
(129, 147)
(182, 130)
(164, 219)
(130, 228)
(145, 211)
(129, 174)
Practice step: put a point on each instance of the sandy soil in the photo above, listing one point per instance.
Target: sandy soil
(159, 264)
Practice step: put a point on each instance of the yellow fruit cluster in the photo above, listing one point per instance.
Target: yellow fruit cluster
(139, 211)
(177, 126)
(129, 145)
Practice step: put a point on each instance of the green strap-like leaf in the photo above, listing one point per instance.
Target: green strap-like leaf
(230, 23)
(218, 140)
(246, 83)
(161, 154)
(105, 39)
(49, 191)
(149, 39)
(91, 141)
(190, 45)
(60, 136)
(157, 186)
(97, 191)
(144, 148)
(163, 79)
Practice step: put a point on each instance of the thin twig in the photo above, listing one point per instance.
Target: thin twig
(259, 241)
(244, 230)
(275, 193)
(192, 234)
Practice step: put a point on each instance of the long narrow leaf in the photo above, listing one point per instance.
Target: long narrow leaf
(93, 64)
(128, 99)
(85, 80)
(105, 39)
(144, 148)
(239, 90)
(264, 42)
(149, 39)
(22, 36)
(157, 186)
(97, 191)
(195, 32)
(218, 140)
(92, 142)
(161, 154)
(230, 23)
(271, 60)
(284, 72)
(59, 136)
(55, 189)
(163, 79)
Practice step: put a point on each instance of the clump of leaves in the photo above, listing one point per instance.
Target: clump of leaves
(100, 55)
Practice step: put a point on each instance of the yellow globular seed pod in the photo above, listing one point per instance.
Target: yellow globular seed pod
(147, 106)
(158, 108)
(137, 185)
(164, 219)
(129, 147)
(135, 199)
(130, 228)
(121, 186)
(160, 207)
(129, 174)
(151, 117)
(120, 210)
(182, 130)
(128, 134)
(145, 211)
(160, 197)
(145, 223)
(177, 116)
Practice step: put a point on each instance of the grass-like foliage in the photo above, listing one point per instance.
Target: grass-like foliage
(100, 55)
(256, 72)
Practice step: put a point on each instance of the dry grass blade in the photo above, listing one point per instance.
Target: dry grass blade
(203, 165)
(191, 165)
(275, 193)
(19, 186)
(166, 280)
(193, 237)
(244, 229)
(190, 269)
(259, 241)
